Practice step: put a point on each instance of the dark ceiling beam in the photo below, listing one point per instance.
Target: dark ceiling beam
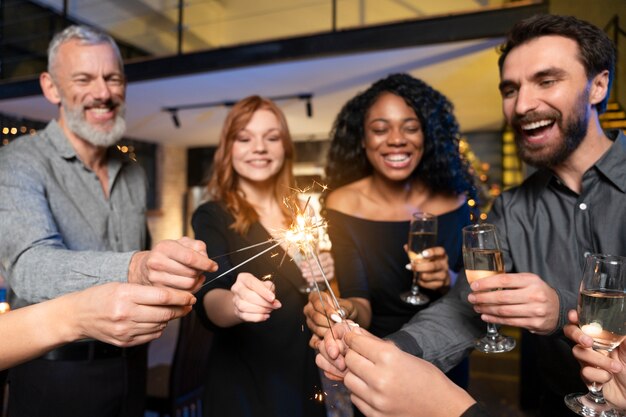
(452, 28)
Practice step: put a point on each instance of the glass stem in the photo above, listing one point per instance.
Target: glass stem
(595, 393)
(415, 289)
(492, 330)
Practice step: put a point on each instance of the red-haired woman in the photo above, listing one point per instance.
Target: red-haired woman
(261, 364)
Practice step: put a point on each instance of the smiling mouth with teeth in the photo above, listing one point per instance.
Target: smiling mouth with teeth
(535, 128)
(397, 157)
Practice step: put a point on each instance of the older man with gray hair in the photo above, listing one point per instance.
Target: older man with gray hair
(72, 215)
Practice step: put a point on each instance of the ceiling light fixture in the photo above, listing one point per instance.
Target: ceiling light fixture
(173, 110)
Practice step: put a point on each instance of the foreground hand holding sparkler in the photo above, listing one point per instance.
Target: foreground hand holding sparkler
(332, 350)
(319, 308)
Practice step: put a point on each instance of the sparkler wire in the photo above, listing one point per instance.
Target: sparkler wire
(340, 310)
(244, 249)
(241, 264)
(319, 293)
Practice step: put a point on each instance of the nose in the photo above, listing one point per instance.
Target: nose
(525, 101)
(258, 145)
(101, 89)
(396, 138)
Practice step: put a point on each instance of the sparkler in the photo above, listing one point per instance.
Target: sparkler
(303, 235)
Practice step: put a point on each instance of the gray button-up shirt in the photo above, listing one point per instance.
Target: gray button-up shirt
(547, 229)
(58, 231)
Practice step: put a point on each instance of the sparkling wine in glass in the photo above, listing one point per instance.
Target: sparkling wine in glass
(422, 235)
(482, 258)
(601, 313)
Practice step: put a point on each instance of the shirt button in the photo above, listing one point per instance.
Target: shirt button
(582, 206)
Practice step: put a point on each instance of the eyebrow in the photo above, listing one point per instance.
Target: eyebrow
(268, 131)
(548, 72)
(406, 119)
(272, 130)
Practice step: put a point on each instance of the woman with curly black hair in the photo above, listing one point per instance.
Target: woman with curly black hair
(394, 151)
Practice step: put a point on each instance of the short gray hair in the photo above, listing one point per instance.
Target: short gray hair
(86, 36)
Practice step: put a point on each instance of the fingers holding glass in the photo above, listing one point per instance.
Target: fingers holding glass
(422, 235)
(482, 258)
(601, 311)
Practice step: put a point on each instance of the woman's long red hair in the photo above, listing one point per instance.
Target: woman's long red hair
(224, 181)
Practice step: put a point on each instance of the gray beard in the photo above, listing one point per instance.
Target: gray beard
(77, 124)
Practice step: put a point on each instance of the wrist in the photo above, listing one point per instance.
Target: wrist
(64, 319)
(136, 267)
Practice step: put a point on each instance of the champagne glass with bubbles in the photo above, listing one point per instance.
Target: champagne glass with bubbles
(422, 235)
(601, 315)
(482, 258)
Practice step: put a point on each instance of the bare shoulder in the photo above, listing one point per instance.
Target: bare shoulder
(346, 199)
(444, 203)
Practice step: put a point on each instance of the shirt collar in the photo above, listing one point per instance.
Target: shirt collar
(611, 164)
(115, 159)
(60, 141)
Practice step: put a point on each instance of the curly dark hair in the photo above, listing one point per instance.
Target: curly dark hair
(596, 51)
(441, 168)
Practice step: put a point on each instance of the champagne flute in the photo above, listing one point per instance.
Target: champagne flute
(422, 235)
(601, 312)
(482, 258)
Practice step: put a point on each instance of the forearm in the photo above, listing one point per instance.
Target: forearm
(220, 309)
(31, 331)
(43, 273)
(442, 334)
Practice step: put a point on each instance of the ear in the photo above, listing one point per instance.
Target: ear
(599, 88)
(49, 88)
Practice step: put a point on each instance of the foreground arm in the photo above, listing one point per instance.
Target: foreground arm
(596, 366)
(384, 381)
(443, 333)
(116, 313)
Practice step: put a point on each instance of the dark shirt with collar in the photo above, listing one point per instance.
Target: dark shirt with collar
(546, 229)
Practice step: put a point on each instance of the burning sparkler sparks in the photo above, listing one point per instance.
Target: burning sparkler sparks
(302, 235)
